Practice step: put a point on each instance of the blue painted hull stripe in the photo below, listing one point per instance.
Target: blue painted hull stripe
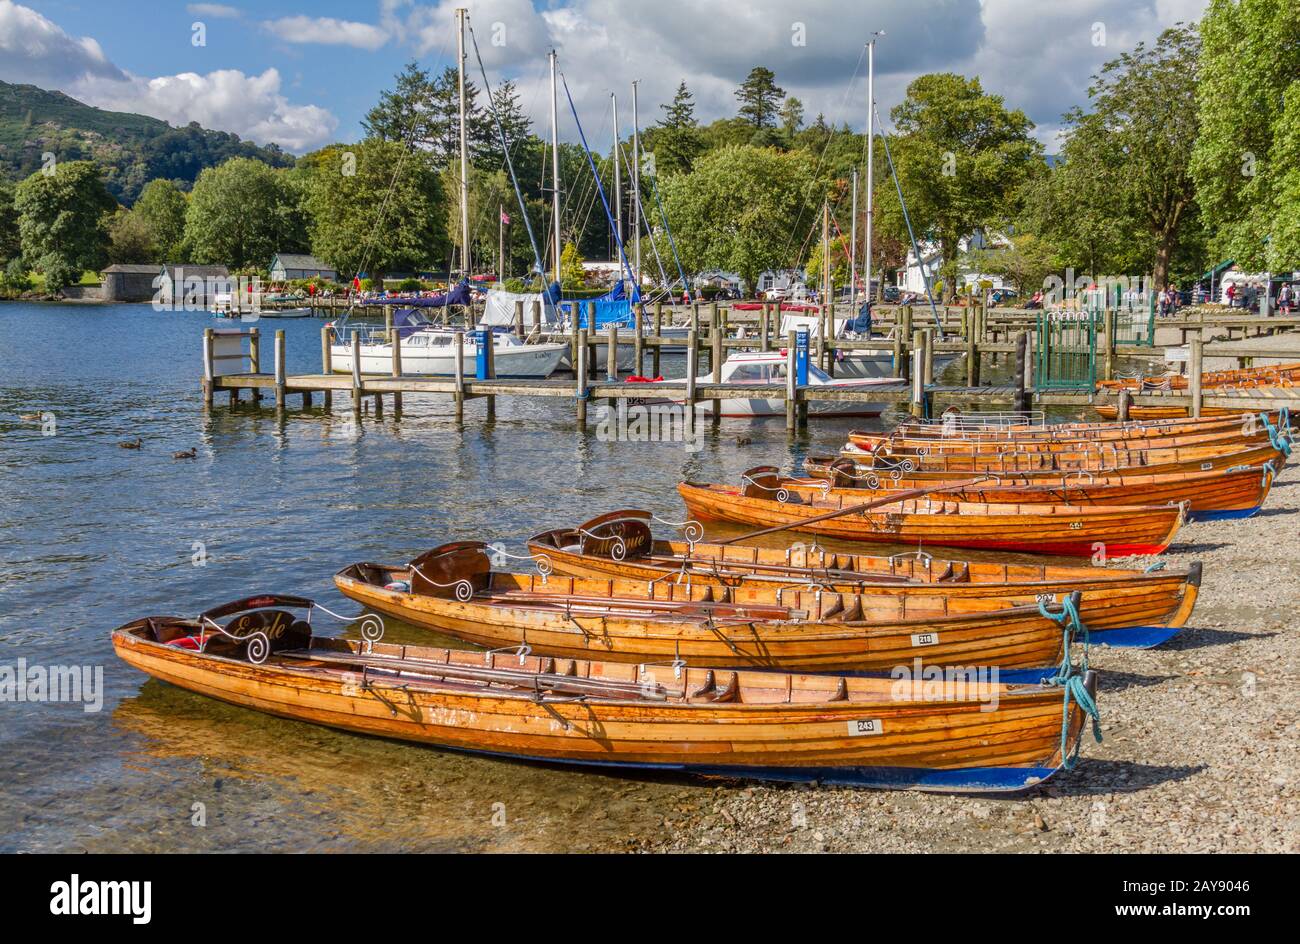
(1133, 637)
(1224, 515)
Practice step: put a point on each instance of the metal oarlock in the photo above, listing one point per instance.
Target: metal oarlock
(523, 650)
(692, 529)
(372, 624)
(259, 644)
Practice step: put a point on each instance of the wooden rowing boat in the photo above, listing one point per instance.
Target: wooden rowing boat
(453, 589)
(1120, 607)
(1107, 459)
(1237, 492)
(1069, 530)
(1267, 374)
(958, 734)
(1236, 435)
(1111, 411)
(1057, 432)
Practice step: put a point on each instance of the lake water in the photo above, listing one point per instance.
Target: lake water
(93, 535)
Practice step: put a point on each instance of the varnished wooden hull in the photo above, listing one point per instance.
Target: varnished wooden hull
(1043, 529)
(1057, 432)
(896, 631)
(1121, 461)
(887, 444)
(1133, 601)
(866, 732)
(1111, 412)
(1282, 374)
(1219, 493)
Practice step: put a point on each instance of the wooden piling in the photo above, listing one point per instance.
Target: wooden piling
(580, 372)
(1125, 403)
(611, 354)
(1108, 361)
(1022, 355)
(764, 329)
(326, 364)
(394, 339)
(458, 397)
(692, 370)
(1194, 368)
(255, 360)
(656, 353)
(209, 371)
(519, 317)
(918, 373)
(638, 340)
(791, 385)
(715, 357)
(279, 370)
(356, 375)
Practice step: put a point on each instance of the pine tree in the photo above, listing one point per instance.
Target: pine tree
(674, 140)
(760, 97)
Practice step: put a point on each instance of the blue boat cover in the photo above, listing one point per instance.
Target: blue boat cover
(612, 308)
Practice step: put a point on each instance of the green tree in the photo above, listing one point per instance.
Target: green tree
(242, 213)
(839, 251)
(63, 221)
(358, 224)
(129, 240)
(791, 117)
(961, 156)
(1245, 161)
(674, 141)
(10, 240)
(759, 98)
(1145, 104)
(741, 208)
(161, 210)
(572, 275)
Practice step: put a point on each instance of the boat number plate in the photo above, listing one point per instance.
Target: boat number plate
(1207, 466)
(865, 726)
(925, 639)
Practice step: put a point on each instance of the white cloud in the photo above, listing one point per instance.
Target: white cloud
(35, 50)
(326, 30)
(215, 10)
(252, 106)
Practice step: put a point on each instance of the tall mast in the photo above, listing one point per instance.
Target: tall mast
(826, 253)
(636, 190)
(618, 178)
(555, 168)
(464, 149)
(871, 149)
(853, 248)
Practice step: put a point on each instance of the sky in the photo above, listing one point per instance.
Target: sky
(303, 74)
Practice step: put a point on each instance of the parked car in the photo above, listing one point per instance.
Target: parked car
(891, 293)
(775, 295)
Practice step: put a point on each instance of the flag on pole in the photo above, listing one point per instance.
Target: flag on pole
(505, 217)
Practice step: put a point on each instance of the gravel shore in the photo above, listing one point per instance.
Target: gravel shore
(1201, 750)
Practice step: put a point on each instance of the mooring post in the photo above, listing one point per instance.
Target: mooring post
(490, 355)
(356, 375)
(1197, 354)
(791, 384)
(658, 345)
(573, 336)
(327, 365)
(1022, 355)
(715, 358)
(535, 308)
(255, 360)
(209, 372)
(929, 357)
(918, 373)
(638, 343)
(395, 339)
(1125, 404)
(458, 394)
(580, 372)
(519, 317)
(692, 369)
(1108, 326)
(611, 353)
(279, 370)
(593, 361)
(972, 355)
(764, 329)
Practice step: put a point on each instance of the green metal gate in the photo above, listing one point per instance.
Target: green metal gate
(1066, 350)
(1135, 316)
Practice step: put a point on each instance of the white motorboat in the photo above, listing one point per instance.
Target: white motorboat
(428, 350)
(769, 367)
(855, 365)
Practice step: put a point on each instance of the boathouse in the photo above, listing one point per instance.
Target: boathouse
(192, 286)
(129, 283)
(286, 266)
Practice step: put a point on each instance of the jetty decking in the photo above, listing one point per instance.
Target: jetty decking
(232, 360)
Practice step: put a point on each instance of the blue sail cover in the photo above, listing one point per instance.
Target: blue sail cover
(612, 308)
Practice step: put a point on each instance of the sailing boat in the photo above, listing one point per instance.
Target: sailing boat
(430, 349)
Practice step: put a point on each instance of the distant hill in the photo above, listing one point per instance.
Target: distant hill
(133, 149)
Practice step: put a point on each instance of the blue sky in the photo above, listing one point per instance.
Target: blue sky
(303, 74)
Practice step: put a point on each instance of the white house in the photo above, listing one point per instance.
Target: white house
(911, 278)
(791, 281)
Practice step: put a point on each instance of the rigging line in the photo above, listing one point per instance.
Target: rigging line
(408, 147)
(848, 90)
(592, 164)
(645, 224)
(505, 147)
(925, 270)
(686, 286)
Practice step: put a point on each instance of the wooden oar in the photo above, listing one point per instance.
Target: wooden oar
(865, 506)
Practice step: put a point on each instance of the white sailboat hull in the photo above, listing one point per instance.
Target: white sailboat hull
(524, 361)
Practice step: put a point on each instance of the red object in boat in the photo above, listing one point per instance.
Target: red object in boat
(644, 380)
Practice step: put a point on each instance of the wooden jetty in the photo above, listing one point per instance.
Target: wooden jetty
(233, 362)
